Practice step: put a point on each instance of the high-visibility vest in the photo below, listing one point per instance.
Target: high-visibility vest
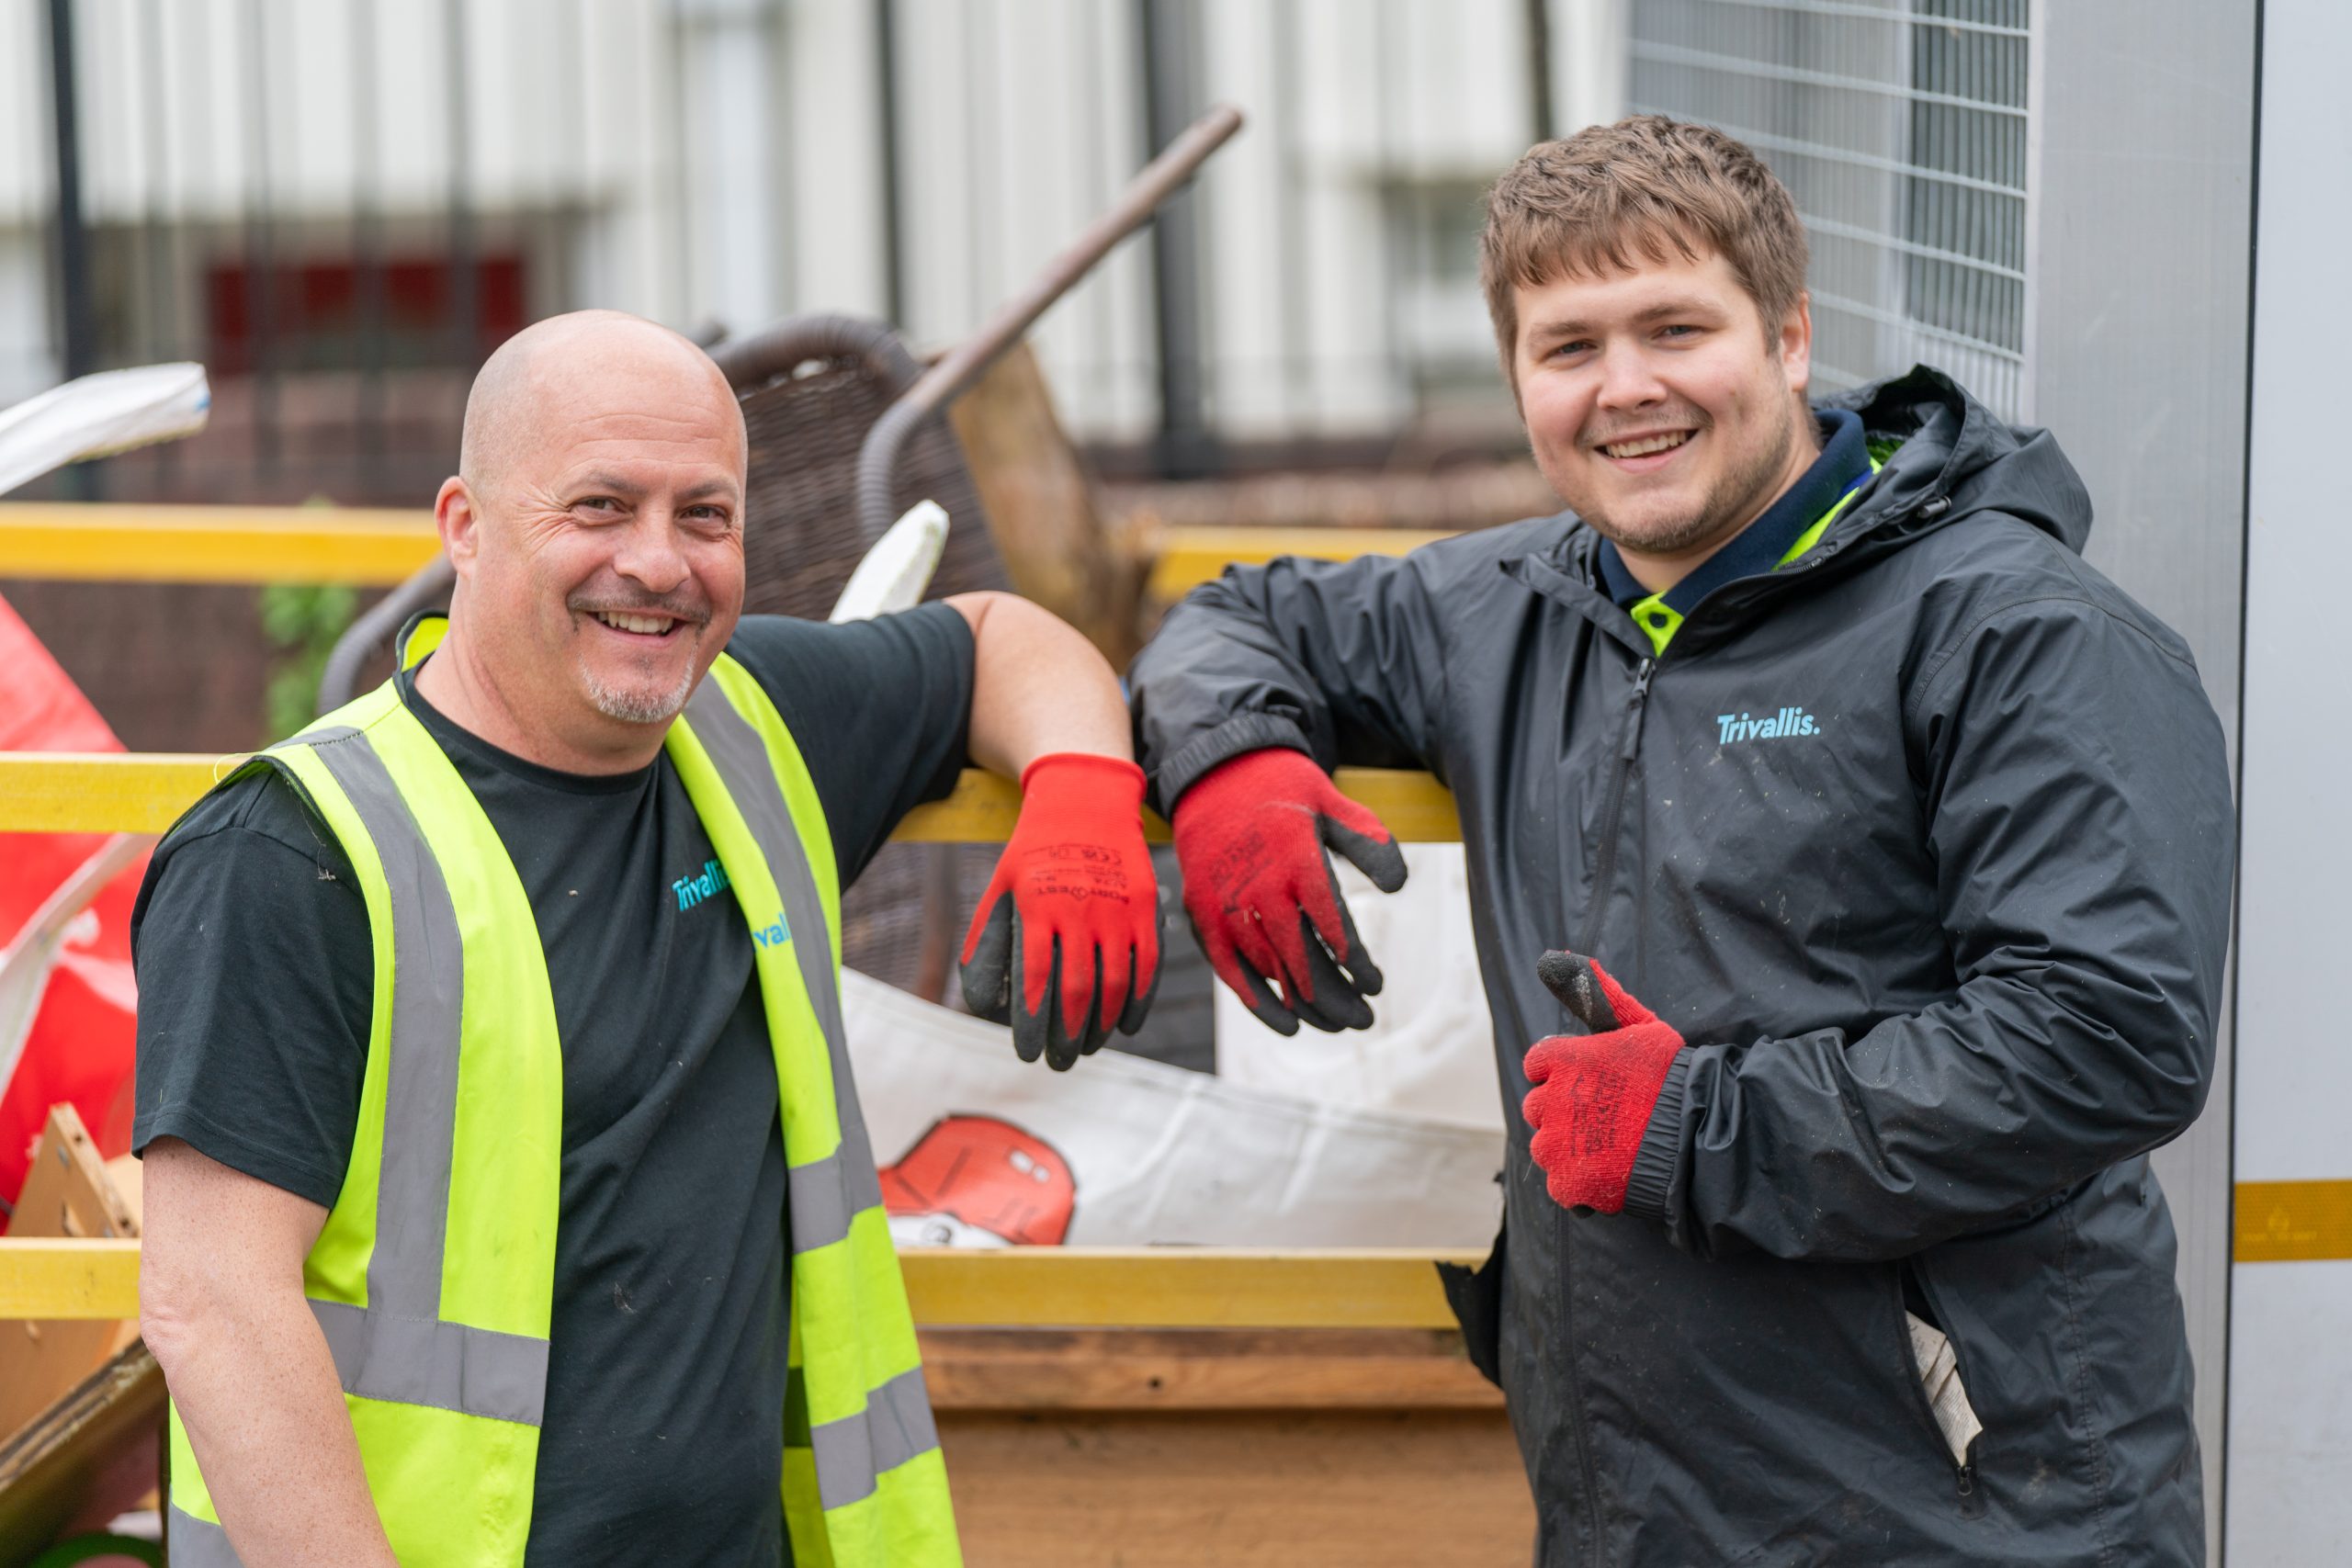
(433, 1277)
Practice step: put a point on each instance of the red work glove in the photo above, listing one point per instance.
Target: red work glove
(1074, 895)
(1594, 1092)
(1252, 836)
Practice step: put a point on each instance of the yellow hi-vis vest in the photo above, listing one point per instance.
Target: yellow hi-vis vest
(433, 1277)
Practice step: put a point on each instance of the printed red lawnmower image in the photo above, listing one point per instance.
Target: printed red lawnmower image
(978, 1181)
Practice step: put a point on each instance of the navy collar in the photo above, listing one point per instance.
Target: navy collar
(1844, 463)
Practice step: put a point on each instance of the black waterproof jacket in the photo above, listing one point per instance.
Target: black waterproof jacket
(1946, 937)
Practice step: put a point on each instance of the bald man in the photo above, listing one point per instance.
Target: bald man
(506, 1199)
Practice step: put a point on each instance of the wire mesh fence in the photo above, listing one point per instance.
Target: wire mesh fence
(1901, 129)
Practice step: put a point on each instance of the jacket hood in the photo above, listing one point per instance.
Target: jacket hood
(1956, 448)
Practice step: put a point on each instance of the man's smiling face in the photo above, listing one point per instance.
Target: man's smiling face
(1658, 406)
(605, 571)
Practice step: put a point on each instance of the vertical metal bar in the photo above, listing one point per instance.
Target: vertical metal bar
(465, 291)
(368, 252)
(261, 283)
(77, 330)
(77, 333)
(1538, 14)
(1096, 188)
(1298, 378)
(1181, 449)
(159, 244)
(885, 97)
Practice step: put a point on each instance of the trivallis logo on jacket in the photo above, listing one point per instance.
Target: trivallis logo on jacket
(1780, 727)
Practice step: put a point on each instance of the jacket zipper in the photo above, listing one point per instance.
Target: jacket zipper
(1964, 1469)
(1612, 815)
(1611, 819)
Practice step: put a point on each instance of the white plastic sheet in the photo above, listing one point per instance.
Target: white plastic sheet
(1125, 1151)
(1430, 1050)
(94, 415)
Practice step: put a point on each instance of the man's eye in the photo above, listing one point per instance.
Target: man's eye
(1680, 329)
(709, 516)
(598, 506)
(1573, 348)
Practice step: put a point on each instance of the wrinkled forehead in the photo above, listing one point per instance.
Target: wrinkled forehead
(654, 406)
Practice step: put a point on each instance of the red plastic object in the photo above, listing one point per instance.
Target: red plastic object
(81, 1045)
(985, 1174)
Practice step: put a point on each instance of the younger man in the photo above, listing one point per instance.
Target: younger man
(1911, 830)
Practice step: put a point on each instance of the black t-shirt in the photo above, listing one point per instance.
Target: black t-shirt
(663, 1429)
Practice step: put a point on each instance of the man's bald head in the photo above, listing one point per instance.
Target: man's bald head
(555, 370)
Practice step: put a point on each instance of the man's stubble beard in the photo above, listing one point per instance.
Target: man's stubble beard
(635, 706)
(1733, 496)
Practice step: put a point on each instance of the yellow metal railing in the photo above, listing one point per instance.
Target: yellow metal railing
(69, 792)
(1078, 1287)
(213, 544)
(378, 548)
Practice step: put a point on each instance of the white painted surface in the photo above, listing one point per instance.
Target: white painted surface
(2290, 1416)
(2291, 1342)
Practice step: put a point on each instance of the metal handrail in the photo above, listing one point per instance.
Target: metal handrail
(116, 791)
(1070, 1287)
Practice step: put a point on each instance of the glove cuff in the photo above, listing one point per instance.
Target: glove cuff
(1083, 772)
(1651, 1183)
(1268, 772)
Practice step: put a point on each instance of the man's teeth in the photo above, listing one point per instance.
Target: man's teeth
(653, 625)
(1643, 448)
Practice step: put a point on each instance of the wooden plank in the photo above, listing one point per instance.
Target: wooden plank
(214, 544)
(1085, 1287)
(1212, 1368)
(51, 792)
(1367, 1489)
(97, 1445)
(1040, 506)
(66, 1195)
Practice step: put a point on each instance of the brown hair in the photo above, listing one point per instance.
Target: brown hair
(1647, 184)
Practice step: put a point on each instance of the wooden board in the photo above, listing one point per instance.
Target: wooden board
(1041, 510)
(1146, 1369)
(1301, 1489)
(96, 1444)
(68, 1194)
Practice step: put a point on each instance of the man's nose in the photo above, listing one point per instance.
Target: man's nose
(650, 552)
(1628, 379)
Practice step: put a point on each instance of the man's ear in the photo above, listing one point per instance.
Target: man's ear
(458, 524)
(1796, 344)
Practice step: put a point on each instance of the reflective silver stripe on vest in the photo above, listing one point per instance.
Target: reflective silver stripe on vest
(450, 1366)
(396, 1348)
(826, 1194)
(421, 1073)
(895, 1426)
(198, 1544)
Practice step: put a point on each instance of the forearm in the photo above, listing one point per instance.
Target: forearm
(1339, 659)
(1931, 1127)
(221, 1305)
(1038, 687)
(254, 1383)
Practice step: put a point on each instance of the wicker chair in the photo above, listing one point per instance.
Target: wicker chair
(813, 388)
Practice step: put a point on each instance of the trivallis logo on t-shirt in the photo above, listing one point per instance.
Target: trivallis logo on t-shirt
(692, 890)
(712, 880)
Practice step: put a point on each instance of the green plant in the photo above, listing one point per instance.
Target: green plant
(302, 622)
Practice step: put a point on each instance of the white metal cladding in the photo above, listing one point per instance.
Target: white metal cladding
(1900, 127)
